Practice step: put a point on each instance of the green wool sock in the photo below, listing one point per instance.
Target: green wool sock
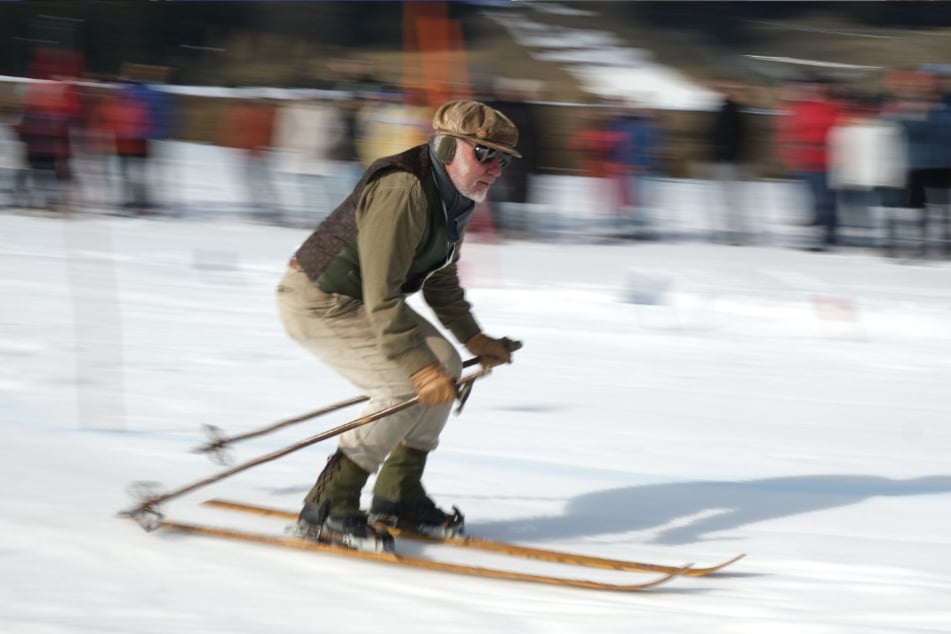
(339, 486)
(400, 477)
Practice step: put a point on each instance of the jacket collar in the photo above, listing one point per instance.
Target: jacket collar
(459, 209)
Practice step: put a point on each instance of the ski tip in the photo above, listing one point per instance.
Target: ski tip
(670, 576)
(731, 561)
(703, 572)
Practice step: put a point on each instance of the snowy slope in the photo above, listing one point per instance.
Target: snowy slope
(673, 402)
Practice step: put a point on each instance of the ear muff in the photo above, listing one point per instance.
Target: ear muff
(445, 148)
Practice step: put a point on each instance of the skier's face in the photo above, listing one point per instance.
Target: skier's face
(473, 177)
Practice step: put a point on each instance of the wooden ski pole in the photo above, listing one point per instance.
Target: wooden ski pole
(149, 517)
(218, 443)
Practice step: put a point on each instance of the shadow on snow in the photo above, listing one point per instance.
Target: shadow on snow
(688, 512)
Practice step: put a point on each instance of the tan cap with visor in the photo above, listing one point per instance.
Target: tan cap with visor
(478, 123)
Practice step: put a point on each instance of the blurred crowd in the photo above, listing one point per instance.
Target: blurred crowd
(74, 145)
(880, 160)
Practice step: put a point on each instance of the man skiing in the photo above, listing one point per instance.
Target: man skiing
(343, 298)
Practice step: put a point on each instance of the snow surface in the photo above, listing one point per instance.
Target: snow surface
(674, 402)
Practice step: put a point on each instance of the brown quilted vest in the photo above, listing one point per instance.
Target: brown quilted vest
(338, 232)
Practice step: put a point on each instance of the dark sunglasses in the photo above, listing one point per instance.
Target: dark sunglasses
(485, 154)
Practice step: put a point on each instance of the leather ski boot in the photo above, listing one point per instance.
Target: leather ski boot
(400, 501)
(332, 514)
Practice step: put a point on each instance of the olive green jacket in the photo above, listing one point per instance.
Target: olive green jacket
(386, 241)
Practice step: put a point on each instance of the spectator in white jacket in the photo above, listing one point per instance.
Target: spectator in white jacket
(13, 166)
(306, 133)
(868, 170)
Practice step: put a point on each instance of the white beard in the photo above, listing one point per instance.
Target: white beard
(476, 196)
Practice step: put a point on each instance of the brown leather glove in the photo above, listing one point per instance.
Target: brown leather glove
(491, 352)
(434, 386)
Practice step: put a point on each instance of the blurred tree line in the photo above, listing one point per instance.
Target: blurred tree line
(727, 22)
(192, 38)
(185, 35)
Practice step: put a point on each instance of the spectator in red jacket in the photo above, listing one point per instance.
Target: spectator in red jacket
(803, 132)
(51, 109)
(127, 116)
(248, 127)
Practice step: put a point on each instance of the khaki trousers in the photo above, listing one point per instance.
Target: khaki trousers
(335, 328)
